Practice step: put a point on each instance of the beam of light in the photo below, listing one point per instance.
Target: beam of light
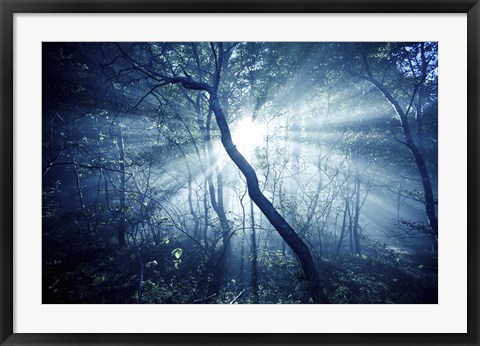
(248, 135)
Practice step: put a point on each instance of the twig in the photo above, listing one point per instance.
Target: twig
(238, 296)
(199, 301)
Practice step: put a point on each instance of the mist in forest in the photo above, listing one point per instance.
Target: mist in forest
(240, 173)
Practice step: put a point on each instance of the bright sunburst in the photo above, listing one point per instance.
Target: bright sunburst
(247, 135)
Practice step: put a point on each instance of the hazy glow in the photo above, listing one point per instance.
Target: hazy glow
(247, 135)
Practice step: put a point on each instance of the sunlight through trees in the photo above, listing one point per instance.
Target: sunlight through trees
(240, 172)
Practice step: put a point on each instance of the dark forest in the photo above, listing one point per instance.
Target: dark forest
(239, 173)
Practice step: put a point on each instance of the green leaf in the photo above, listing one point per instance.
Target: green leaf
(98, 280)
(177, 253)
(151, 264)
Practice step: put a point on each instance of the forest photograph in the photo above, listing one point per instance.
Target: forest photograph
(240, 173)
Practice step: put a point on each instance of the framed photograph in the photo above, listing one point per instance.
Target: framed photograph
(239, 173)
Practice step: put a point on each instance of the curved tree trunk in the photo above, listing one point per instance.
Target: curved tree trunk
(293, 240)
(417, 154)
(277, 221)
(410, 143)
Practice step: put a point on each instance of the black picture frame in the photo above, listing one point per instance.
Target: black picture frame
(9, 7)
